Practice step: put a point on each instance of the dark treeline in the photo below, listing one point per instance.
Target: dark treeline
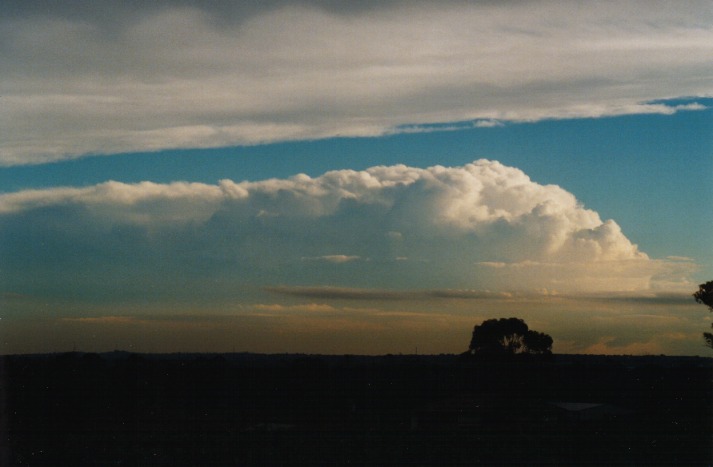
(131, 409)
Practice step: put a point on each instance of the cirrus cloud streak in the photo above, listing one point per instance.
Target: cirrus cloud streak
(105, 77)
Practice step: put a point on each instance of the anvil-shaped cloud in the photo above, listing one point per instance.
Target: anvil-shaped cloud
(483, 226)
(106, 77)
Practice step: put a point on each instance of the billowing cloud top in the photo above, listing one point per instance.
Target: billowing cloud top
(483, 226)
(108, 77)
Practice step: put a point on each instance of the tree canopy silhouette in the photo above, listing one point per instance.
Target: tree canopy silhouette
(704, 295)
(508, 336)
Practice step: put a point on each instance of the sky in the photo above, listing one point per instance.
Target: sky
(354, 177)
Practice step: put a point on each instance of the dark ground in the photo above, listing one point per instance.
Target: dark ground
(236, 409)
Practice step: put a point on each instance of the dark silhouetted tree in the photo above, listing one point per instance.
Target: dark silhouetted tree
(508, 336)
(704, 295)
(537, 342)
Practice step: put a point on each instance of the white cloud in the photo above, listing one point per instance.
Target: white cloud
(487, 124)
(335, 258)
(483, 226)
(166, 75)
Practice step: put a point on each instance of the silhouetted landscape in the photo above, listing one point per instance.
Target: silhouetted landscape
(279, 187)
(123, 408)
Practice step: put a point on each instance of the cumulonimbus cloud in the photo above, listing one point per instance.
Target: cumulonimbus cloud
(108, 77)
(483, 226)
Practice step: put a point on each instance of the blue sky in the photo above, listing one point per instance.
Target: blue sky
(646, 171)
(462, 161)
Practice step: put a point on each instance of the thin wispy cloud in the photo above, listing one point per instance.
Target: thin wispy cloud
(108, 77)
(281, 309)
(350, 293)
(334, 258)
(345, 293)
